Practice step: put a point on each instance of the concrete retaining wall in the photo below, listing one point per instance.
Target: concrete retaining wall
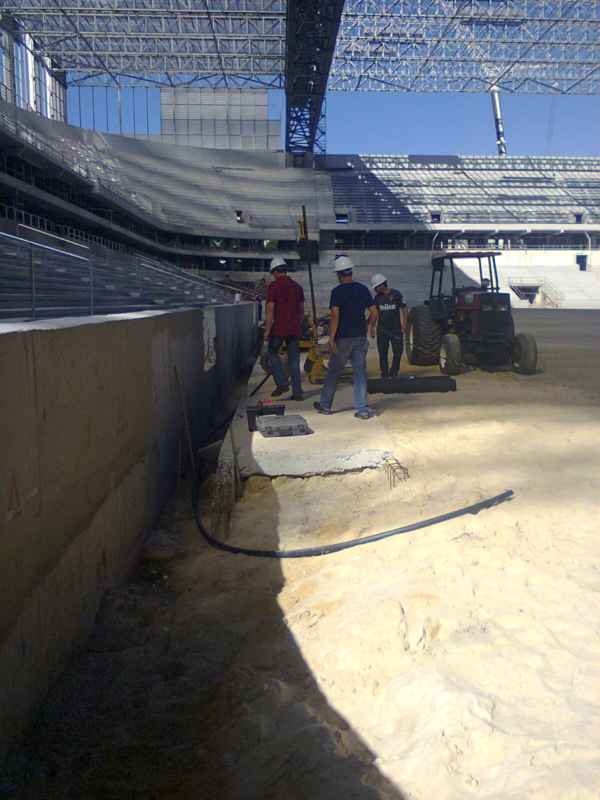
(90, 429)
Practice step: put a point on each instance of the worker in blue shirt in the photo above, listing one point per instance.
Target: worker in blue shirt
(348, 338)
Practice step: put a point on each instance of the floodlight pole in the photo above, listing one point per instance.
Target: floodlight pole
(498, 122)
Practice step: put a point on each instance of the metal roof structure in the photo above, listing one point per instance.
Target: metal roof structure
(308, 46)
(218, 42)
(526, 46)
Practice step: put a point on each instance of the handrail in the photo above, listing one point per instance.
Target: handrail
(43, 246)
(66, 284)
(31, 138)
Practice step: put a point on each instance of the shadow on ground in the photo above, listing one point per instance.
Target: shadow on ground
(193, 687)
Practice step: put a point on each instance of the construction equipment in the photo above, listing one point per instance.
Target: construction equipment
(314, 365)
(469, 324)
(411, 384)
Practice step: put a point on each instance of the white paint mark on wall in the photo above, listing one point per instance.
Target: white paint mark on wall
(209, 336)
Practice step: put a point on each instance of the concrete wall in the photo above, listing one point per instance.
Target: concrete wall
(410, 272)
(90, 426)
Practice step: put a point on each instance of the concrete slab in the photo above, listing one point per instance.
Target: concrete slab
(340, 442)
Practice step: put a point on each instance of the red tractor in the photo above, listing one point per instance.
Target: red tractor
(469, 324)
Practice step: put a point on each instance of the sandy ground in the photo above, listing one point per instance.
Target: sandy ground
(458, 661)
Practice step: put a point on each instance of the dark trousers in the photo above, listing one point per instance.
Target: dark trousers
(293, 357)
(384, 339)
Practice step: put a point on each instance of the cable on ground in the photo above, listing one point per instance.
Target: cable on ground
(321, 550)
(328, 549)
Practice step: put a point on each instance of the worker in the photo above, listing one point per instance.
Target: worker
(392, 317)
(285, 312)
(348, 337)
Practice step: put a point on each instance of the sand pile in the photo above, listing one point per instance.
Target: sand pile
(467, 656)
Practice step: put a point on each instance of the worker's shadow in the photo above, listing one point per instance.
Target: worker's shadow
(192, 686)
(270, 730)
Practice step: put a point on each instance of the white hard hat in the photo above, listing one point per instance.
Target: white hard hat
(342, 264)
(276, 263)
(377, 280)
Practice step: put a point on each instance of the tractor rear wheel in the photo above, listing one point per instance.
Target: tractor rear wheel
(524, 354)
(450, 355)
(424, 337)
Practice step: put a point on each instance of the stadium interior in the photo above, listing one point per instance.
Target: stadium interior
(215, 211)
(146, 183)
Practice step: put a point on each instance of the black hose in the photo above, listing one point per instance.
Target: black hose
(324, 550)
(327, 549)
(261, 384)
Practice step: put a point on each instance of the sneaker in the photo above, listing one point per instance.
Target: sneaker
(321, 409)
(279, 391)
(298, 397)
(368, 414)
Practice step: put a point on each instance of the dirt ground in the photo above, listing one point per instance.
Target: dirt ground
(458, 661)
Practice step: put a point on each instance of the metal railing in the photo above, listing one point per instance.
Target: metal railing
(38, 281)
(27, 136)
(552, 295)
(44, 225)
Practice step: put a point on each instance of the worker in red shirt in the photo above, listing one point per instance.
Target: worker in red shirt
(285, 312)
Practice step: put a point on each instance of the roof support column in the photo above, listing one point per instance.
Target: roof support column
(312, 28)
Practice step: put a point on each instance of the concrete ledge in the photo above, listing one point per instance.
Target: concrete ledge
(340, 443)
(91, 425)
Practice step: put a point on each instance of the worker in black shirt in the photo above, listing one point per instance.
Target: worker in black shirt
(392, 317)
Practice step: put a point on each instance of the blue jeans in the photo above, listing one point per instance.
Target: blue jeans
(293, 353)
(355, 350)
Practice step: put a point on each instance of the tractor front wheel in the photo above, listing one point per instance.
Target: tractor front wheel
(423, 337)
(450, 355)
(524, 354)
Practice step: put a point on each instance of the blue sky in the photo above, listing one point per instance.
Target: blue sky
(461, 123)
(382, 122)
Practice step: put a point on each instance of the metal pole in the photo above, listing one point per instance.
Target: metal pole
(120, 109)
(92, 275)
(498, 122)
(309, 265)
(33, 287)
